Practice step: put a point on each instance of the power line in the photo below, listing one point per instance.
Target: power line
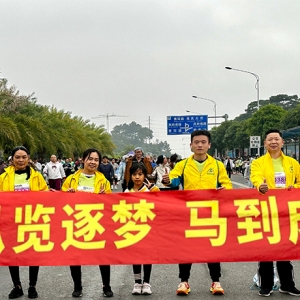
(107, 116)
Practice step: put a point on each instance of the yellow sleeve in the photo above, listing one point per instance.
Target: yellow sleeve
(1, 183)
(176, 174)
(66, 184)
(297, 176)
(223, 177)
(42, 183)
(107, 187)
(257, 174)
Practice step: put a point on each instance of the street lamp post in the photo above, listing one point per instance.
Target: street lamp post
(256, 85)
(215, 106)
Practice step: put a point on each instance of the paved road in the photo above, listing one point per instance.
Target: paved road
(56, 283)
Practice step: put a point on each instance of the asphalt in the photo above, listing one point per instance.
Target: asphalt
(56, 282)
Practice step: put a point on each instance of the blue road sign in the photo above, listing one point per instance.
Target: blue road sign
(186, 124)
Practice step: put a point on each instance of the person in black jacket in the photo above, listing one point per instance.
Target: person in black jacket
(107, 169)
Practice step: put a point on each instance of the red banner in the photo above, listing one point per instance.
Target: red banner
(56, 228)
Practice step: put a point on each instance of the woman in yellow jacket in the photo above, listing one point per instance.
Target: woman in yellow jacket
(89, 180)
(20, 177)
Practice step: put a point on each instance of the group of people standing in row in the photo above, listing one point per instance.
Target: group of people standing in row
(197, 172)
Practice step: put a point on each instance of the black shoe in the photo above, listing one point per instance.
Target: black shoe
(77, 291)
(292, 291)
(107, 292)
(32, 293)
(265, 292)
(16, 292)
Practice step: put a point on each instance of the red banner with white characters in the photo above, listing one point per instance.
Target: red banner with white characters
(56, 228)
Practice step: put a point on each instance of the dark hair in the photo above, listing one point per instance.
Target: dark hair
(200, 132)
(273, 131)
(13, 152)
(173, 157)
(134, 168)
(160, 159)
(87, 153)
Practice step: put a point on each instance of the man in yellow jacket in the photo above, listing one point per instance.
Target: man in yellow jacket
(199, 172)
(276, 171)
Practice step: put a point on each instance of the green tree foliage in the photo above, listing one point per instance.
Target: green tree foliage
(291, 119)
(242, 135)
(282, 100)
(45, 130)
(134, 135)
(285, 101)
(218, 140)
(267, 117)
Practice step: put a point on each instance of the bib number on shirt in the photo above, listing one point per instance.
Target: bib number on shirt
(280, 179)
(85, 189)
(22, 187)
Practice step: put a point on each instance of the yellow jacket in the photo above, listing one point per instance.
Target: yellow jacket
(187, 173)
(36, 180)
(72, 182)
(262, 168)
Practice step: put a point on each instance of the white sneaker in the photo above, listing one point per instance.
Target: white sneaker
(116, 187)
(146, 290)
(137, 289)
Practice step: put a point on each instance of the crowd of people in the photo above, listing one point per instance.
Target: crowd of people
(139, 173)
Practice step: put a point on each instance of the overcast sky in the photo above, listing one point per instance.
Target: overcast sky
(147, 58)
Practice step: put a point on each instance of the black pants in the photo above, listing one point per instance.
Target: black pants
(15, 275)
(214, 271)
(76, 275)
(284, 270)
(137, 271)
(229, 172)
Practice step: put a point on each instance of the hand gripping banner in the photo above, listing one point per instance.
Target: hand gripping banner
(56, 228)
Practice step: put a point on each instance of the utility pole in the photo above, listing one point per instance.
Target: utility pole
(107, 116)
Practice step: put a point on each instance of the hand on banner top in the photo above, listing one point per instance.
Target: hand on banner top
(263, 188)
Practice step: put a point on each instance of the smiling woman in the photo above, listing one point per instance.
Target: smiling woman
(89, 180)
(20, 177)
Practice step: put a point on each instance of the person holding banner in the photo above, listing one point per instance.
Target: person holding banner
(274, 170)
(138, 182)
(20, 177)
(89, 180)
(199, 171)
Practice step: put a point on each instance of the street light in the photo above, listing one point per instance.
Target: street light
(256, 85)
(215, 106)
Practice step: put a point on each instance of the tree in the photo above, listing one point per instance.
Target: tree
(285, 101)
(291, 119)
(46, 130)
(282, 100)
(242, 134)
(134, 134)
(267, 117)
(218, 140)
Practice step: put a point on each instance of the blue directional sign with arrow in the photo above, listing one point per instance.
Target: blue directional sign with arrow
(186, 124)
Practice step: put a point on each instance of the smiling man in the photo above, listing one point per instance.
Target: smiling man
(276, 171)
(199, 172)
(137, 158)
